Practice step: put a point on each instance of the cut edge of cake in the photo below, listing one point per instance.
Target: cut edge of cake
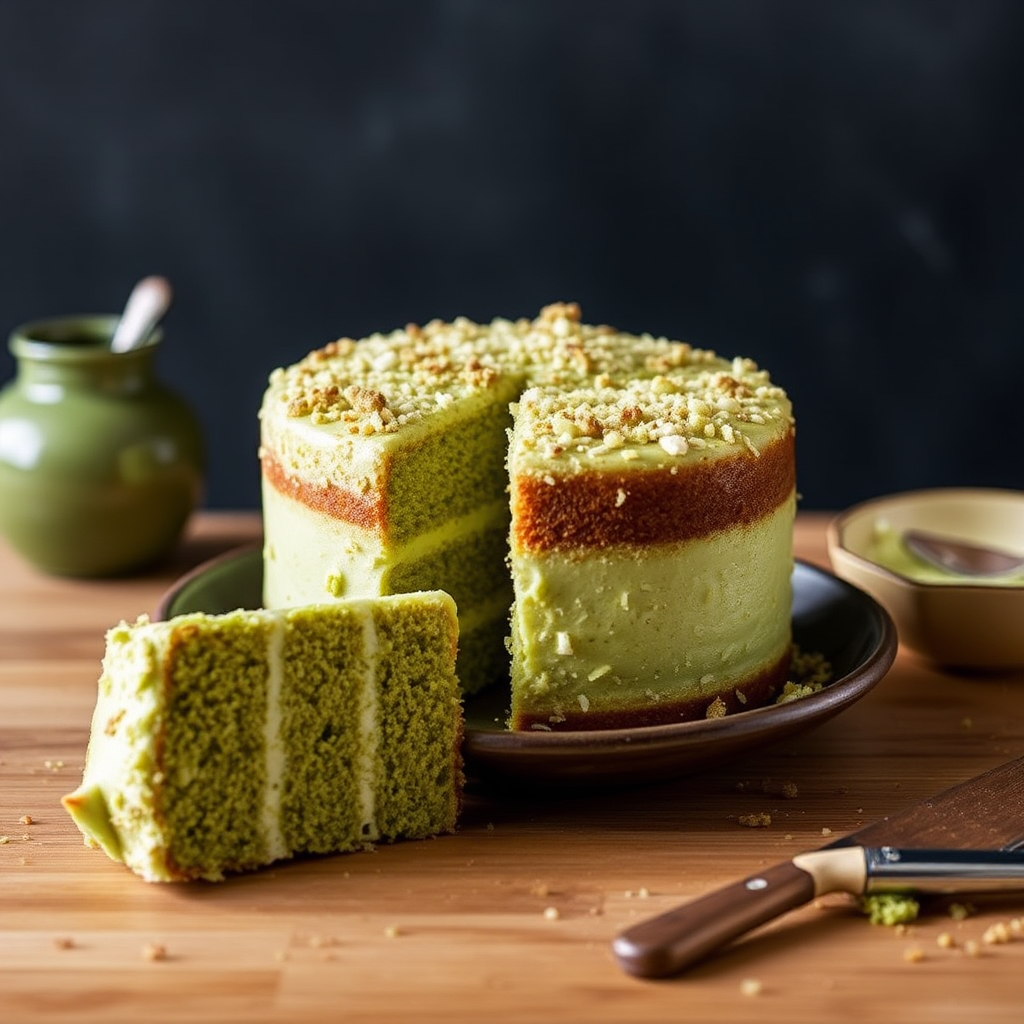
(221, 744)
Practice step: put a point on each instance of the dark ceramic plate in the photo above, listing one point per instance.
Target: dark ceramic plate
(829, 616)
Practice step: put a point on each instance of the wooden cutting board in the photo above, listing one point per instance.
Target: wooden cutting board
(511, 919)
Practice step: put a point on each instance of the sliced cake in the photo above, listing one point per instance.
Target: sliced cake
(224, 743)
(645, 553)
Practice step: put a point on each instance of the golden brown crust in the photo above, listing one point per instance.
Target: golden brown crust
(587, 510)
(368, 511)
(757, 690)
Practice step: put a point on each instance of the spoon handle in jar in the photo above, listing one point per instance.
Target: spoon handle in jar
(145, 306)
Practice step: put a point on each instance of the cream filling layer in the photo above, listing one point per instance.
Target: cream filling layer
(369, 731)
(594, 631)
(346, 561)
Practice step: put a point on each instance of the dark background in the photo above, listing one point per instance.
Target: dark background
(835, 189)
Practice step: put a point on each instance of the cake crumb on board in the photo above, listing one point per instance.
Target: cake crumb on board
(771, 787)
(997, 934)
(890, 908)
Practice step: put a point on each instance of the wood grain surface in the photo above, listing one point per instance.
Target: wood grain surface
(511, 919)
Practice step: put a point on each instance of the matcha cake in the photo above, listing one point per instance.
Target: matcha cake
(645, 553)
(224, 743)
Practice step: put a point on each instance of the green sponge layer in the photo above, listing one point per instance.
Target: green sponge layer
(223, 743)
(211, 758)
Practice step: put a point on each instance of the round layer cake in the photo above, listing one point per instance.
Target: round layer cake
(646, 551)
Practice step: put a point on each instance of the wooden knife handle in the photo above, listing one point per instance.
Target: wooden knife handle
(672, 941)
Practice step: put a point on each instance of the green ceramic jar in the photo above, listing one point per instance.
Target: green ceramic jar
(100, 464)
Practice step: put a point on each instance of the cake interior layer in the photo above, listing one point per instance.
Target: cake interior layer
(703, 496)
(627, 629)
(420, 725)
(445, 475)
(211, 755)
(225, 743)
(327, 731)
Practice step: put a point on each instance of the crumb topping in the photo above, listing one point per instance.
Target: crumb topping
(678, 411)
(378, 385)
(594, 389)
(716, 709)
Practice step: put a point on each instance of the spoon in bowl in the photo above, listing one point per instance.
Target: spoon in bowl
(960, 557)
(145, 308)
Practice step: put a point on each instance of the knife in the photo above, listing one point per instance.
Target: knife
(962, 839)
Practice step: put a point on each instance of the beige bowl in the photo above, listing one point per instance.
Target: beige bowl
(969, 624)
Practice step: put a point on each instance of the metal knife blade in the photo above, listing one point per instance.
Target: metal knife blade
(892, 869)
(868, 869)
(983, 813)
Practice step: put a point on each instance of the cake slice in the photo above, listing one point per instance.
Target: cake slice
(651, 547)
(224, 743)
